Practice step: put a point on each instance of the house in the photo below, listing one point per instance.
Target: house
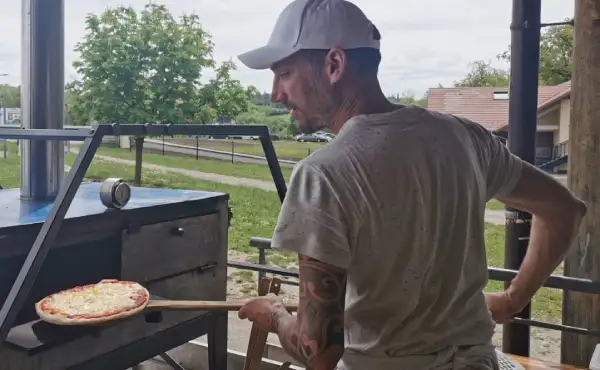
(488, 106)
(12, 116)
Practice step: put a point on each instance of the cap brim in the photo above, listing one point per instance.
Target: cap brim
(264, 57)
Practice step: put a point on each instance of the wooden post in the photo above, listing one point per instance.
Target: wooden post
(584, 179)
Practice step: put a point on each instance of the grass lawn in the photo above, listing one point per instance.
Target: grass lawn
(255, 213)
(495, 205)
(255, 210)
(547, 304)
(247, 170)
(285, 149)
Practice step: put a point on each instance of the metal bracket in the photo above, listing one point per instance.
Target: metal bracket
(133, 227)
(171, 362)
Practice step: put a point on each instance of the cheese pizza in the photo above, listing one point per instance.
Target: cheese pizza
(93, 304)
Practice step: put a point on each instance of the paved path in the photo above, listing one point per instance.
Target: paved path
(495, 217)
(222, 179)
(491, 216)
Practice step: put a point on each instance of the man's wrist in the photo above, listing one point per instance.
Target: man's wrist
(518, 294)
(281, 320)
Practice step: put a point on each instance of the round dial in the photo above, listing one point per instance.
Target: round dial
(114, 193)
(121, 193)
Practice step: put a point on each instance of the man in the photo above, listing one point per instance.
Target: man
(388, 218)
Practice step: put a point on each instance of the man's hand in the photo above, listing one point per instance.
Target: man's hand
(265, 312)
(315, 336)
(503, 306)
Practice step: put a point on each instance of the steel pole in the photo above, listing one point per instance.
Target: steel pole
(42, 96)
(522, 119)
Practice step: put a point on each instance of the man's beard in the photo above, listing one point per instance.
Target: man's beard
(310, 126)
(318, 121)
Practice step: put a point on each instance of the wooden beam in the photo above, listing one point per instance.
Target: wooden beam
(584, 179)
(532, 364)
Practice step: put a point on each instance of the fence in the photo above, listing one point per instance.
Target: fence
(563, 283)
(234, 148)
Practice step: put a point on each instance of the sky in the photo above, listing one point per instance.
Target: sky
(424, 42)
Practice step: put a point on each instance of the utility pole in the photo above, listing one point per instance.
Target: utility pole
(4, 122)
(583, 310)
(4, 141)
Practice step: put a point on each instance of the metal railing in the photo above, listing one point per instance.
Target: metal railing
(495, 274)
(560, 150)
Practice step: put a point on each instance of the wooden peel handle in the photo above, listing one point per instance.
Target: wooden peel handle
(203, 305)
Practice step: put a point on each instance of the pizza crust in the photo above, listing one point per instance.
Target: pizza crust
(63, 319)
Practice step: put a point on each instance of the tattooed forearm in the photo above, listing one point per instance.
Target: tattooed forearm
(316, 335)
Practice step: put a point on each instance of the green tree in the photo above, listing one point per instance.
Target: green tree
(11, 95)
(278, 121)
(483, 74)
(142, 68)
(409, 97)
(556, 54)
(226, 95)
(77, 111)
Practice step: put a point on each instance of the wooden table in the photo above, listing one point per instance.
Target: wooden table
(532, 364)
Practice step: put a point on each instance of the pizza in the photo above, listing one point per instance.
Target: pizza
(94, 303)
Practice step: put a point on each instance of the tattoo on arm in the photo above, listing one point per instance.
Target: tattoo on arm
(315, 336)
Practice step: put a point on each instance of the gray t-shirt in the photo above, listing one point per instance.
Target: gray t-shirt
(398, 200)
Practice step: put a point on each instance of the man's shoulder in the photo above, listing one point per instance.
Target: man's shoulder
(329, 157)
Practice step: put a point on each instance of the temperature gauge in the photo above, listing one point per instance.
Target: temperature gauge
(115, 193)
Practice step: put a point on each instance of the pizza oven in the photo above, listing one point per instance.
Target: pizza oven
(174, 242)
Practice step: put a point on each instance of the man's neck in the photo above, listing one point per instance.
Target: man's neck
(370, 100)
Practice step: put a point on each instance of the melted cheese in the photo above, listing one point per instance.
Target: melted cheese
(96, 299)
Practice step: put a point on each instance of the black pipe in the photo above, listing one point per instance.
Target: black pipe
(522, 126)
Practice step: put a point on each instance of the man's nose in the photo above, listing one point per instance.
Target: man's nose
(277, 97)
(277, 94)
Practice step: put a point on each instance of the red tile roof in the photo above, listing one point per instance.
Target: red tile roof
(478, 103)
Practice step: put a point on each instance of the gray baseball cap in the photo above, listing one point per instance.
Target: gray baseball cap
(314, 24)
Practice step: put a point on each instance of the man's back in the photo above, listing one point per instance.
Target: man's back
(413, 185)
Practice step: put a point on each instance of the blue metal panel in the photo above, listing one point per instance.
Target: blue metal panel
(15, 212)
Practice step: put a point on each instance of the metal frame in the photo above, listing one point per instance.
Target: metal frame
(494, 273)
(92, 139)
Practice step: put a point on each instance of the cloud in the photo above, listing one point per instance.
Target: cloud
(424, 42)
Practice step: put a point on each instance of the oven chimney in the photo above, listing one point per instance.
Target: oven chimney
(42, 96)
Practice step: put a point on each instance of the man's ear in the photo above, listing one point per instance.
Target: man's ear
(336, 65)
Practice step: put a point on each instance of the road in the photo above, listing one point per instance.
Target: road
(155, 145)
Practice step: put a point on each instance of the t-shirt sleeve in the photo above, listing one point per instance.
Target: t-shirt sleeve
(501, 167)
(312, 221)
(504, 170)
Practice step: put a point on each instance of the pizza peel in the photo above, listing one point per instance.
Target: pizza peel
(161, 305)
(148, 306)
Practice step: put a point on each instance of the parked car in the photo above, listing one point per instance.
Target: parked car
(311, 138)
(327, 135)
(273, 137)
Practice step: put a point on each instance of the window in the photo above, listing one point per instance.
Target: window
(500, 95)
